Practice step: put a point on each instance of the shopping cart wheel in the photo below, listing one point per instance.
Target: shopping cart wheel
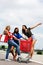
(25, 60)
(19, 60)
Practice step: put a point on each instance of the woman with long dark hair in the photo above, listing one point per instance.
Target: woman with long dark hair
(27, 34)
(17, 35)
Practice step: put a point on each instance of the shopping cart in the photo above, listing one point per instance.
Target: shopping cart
(25, 47)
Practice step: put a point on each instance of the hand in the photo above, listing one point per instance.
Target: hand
(40, 24)
(18, 39)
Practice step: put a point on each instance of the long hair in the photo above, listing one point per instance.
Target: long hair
(6, 28)
(15, 30)
(23, 30)
(25, 26)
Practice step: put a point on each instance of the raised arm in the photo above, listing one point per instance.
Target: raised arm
(35, 25)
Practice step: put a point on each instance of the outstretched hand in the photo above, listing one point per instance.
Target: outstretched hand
(39, 23)
(36, 25)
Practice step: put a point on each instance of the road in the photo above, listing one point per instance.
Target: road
(3, 62)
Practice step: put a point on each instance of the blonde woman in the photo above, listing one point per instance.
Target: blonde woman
(11, 42)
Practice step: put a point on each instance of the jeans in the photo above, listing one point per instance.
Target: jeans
(10, 44)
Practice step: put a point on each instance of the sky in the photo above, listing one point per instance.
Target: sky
(23, 12)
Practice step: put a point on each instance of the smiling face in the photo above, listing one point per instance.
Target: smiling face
(16, 30)
(8, 28)
(24, 28)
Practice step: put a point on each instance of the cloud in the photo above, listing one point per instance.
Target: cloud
(41, 1)
(19, 12)
(27, 10)
(17, 3)
(38, 35)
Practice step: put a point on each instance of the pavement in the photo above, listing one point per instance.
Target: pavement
(36, 59)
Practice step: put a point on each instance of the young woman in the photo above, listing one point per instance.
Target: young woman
(17, 35)
(11, 42)
(27, 33)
